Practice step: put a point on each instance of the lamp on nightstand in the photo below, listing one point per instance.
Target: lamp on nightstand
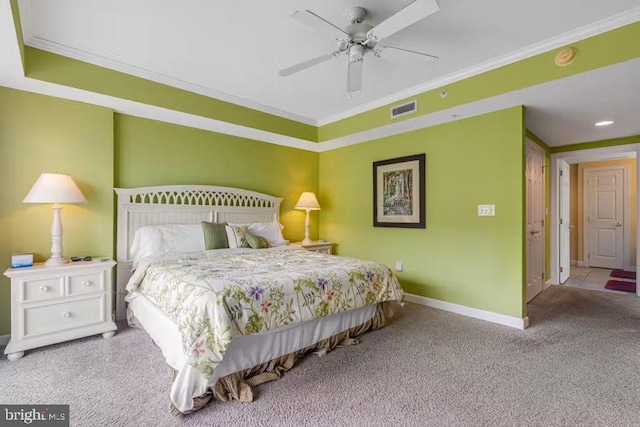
(307, 202)
(55, 188)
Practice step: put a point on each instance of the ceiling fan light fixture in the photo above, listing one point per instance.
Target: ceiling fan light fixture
(360, 37)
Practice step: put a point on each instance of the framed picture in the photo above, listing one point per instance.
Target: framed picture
(399, 192)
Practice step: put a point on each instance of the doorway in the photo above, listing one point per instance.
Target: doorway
(606, 216)
(605, 232)
(535, 243)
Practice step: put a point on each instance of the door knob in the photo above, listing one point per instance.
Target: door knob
(619, 224)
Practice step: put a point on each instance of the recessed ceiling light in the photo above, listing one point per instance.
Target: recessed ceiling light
(605, 123)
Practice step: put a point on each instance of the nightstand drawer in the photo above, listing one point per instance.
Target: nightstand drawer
(85, 284)
(42, 289)
(63, 316)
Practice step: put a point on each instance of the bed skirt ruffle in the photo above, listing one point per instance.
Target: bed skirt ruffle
(239, 385)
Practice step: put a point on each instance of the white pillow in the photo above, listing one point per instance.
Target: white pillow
(272, 231)
(157, 242)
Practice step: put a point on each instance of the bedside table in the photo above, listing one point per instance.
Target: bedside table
(315, 246)
(54, 304)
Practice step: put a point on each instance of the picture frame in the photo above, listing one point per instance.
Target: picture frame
(399, 192)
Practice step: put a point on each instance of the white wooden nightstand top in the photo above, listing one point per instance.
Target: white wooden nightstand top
(40, 267)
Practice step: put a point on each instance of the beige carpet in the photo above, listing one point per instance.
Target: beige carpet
(578, 364)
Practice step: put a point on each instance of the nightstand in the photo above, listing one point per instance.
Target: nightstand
(316, 246)
(59, 303)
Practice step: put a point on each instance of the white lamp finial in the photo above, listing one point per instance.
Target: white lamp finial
(307, 202)
(55, 188)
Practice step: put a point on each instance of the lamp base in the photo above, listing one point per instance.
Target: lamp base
(307, 242)
(52, 262)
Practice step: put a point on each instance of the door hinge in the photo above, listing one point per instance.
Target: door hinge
(561, 221)
(561, 172)
(561, 269)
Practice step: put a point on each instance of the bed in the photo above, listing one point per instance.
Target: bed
(229, 319)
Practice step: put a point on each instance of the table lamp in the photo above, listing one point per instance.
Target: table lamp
(55, 188)
(307, 202)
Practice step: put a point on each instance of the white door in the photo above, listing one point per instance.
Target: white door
(565, 237)
(535, 220)
(605, 217)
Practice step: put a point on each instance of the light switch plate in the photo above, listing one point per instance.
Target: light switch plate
(486, 210)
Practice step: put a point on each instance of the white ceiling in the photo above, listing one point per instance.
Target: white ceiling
(233, 49)
(565, 111)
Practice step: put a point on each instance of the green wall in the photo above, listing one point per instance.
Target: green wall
(46, 66)
(635, 139)
(150, 152)
(460, 257)
(45, 134)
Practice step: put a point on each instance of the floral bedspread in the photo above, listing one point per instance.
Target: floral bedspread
(214, 297)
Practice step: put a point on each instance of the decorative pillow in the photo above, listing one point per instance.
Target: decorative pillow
(235, 236)
(256, 242)
(272, 231)
(215, 235)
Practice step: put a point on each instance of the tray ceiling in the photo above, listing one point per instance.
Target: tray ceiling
(233, 50)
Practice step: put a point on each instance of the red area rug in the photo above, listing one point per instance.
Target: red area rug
(623, 274)
(619, 285)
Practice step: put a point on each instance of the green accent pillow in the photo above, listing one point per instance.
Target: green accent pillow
(256, 242)
(215, 235)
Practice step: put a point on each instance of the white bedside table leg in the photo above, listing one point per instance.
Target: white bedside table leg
(15, 356)
(107, 335)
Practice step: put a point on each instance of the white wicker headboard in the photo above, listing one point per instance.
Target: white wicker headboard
(182, 204)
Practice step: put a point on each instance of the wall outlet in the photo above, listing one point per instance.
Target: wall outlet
(486, 210)
(399, 266)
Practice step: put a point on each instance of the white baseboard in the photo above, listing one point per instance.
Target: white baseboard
(573, 262)
(547, 284)
(580, 263)
(4, 339)
(476, 313)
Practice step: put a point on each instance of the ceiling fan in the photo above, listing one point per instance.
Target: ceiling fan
(359, 38)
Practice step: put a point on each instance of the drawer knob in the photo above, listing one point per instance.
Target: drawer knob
(86, 283)
(65, 314)
(44, 288)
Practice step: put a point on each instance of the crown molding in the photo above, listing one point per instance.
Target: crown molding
(19, 81)
(611, 23)
(616, 21)
(139, 109)
(112, 64)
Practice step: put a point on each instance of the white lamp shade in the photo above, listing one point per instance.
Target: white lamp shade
(309, 201)
(54, 188)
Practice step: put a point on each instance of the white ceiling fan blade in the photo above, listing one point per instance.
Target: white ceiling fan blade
(308, 63)
(309, 18)
(354, 75)
(411, 14)
(408, 50)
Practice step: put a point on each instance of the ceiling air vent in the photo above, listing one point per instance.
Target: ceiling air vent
(404, 109)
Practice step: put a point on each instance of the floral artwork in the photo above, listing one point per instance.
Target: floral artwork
(216, 297)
